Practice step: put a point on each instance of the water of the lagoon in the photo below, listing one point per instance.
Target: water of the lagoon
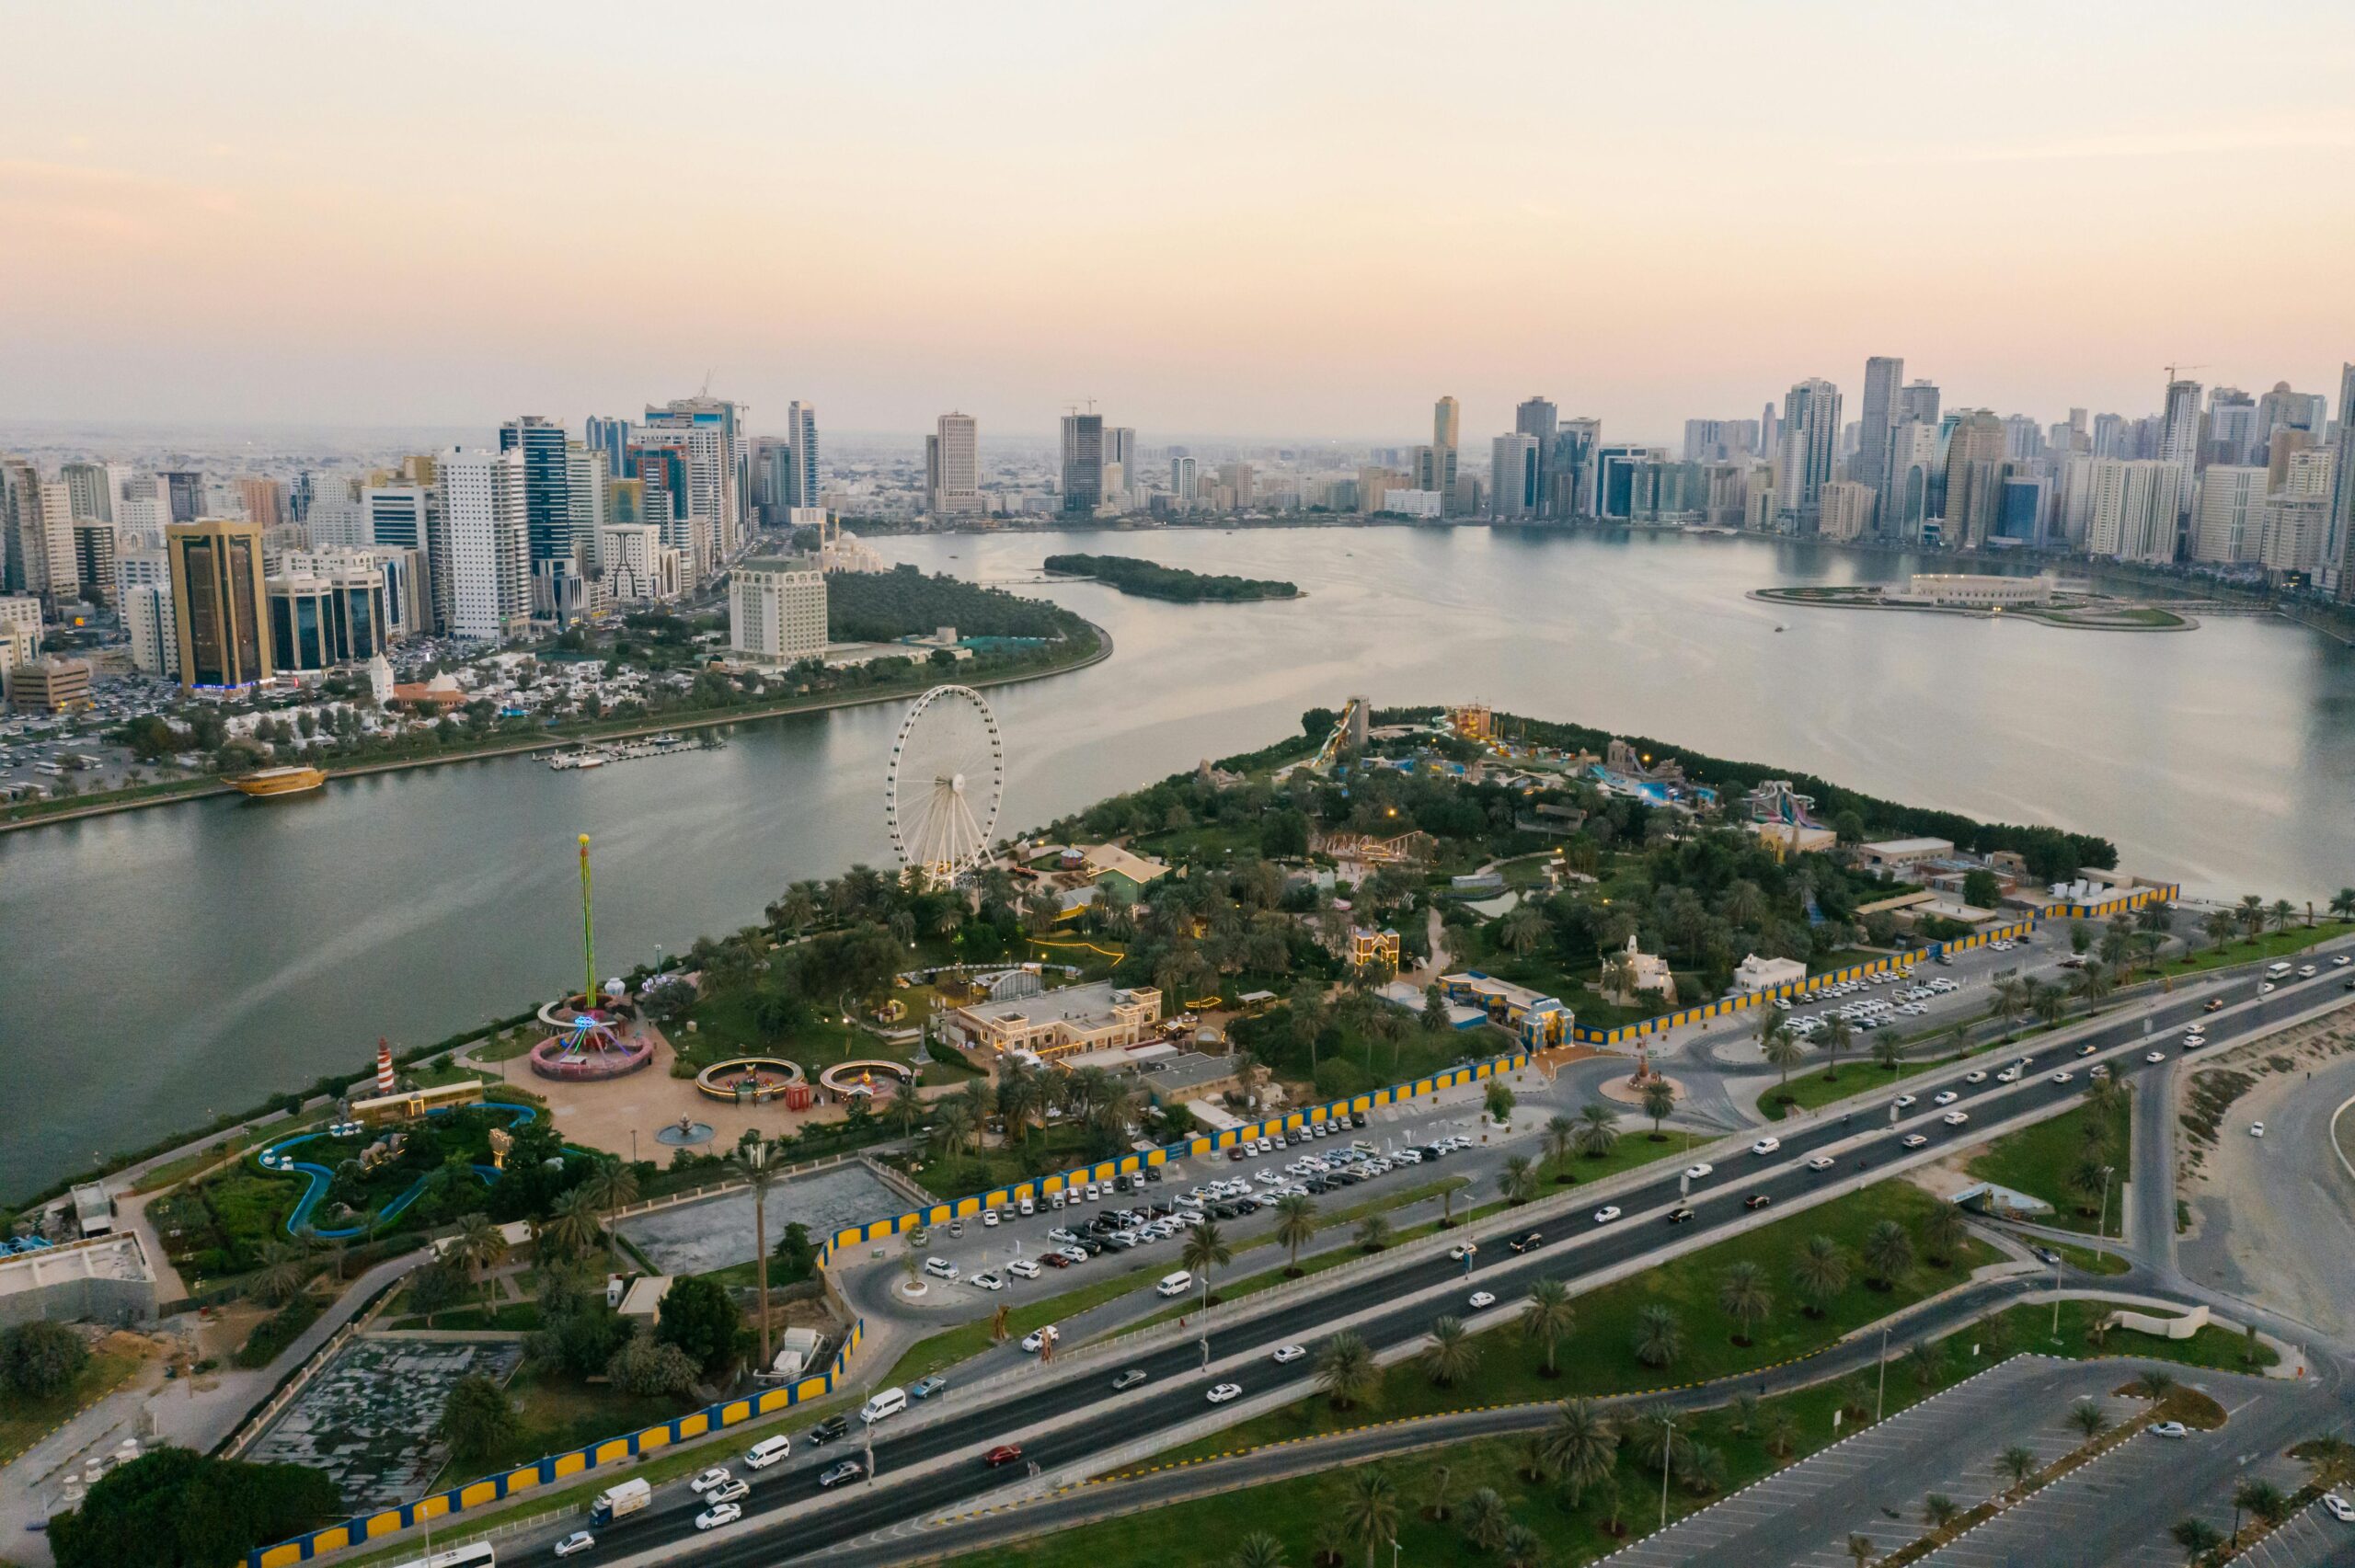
(162, 964)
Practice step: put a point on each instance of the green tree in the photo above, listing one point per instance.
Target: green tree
(2197, 1536)
(1347, 1371)
(1581, 1446)
(572, 1228)
(1943, 1233)
(477, 1419)
(1486, 1519)
(1257, 1550)
(1861, 1550)
(1452, 1353)
(1498, 1102)
(176, 1508)
(1296, 1223)
(700, 1316)
(1742, 1296)
(2261, 1499)
(1523, 1547)
(1370, 1508)
(1517, 1182)
(649, 1369)
(478, 1247)
(1203, 1250)
(2019, 1463)
(1783, 1050)
(284, 1271)
(1836, 1035)
(435, 1288)
(40, 1360)
(1561, 1141)
(1598, 1130)
(1659, 1099)
(1659, 1337)
(2088, 1418)
(1821, 1274)
(1549, 1318)
(1373, 1233)
(1888, 1253)
(1939, 1512)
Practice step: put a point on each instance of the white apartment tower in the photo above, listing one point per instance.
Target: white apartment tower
(482, 563)
(2134, 509)
(1810, 443)
(776, 610)
(952, 465)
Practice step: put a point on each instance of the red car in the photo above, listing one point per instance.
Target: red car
(1004, 1454)
(1054, 1260)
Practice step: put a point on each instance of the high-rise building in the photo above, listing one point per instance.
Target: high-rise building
(1186, 481)
(2296, 527)
(1884, 380)
(1538, 416)
(1843, 507)
(1974, 475)
(1916, 479)
(2233, 435)
(1516, 475)
(708, 431)
(94, 553)
(801, 436)
(548, 502)
(1570, 472)
(401, 572)
(155, 639)
(1810, 428)
(2229, 521)
(1083, 463)
(265, 502)
(1239, 485)
(2282, 410)
(2134, 509)
(2334, 574)
(36, 534)
(2180, 436)
(89, 490)
(481, 561)
(1438, 465)
(2023, 507)
(1720, 440)
(952, 465)
(184, 489)
(317, 622)
(1621, 494)
(610, 436)
(219, 615)
(776, 610)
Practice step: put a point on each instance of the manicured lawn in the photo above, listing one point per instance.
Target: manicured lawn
(556, 1414)
(24, 1422)
(2030, 1328)
(2038, 1160)
(517, 1316)
(952, 1345)
(1598, 1357)
(1814, 1091)
(2272, 945)
(2091, 1260)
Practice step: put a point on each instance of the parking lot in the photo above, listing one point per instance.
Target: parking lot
(2308, 1539)
(1805, 1514)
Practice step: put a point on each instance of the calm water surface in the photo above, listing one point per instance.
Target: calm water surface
(162, 964)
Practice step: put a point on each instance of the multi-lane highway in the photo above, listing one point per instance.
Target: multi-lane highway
(784, 1517)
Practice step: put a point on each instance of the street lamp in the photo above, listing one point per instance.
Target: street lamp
(1667, 1452)
(1880, 1398)
(2101, 1222)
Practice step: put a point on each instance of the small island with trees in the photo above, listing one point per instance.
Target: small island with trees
(1149, 580)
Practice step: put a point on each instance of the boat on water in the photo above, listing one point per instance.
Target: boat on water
(269, 782)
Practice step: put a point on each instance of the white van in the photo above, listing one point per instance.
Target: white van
(1175, 1284)
(2278, 972)
(766, 1452)
(1029, 1208)
(890, 1402)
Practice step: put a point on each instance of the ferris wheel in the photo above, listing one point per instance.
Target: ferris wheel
(947, 774)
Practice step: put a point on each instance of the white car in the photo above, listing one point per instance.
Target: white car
(1976, 1075)
(2009, 1075)
(1023, 1268)
(988, 1219)
(2341, 962)
(1822, 1162)
(1038, 1339)
(1907, 1102)
(2155, 1056)
(1606, 1214)
(1070, 1238)
(1955, 1118)
(1462, 1250)
(986, 1280)
(578, 1540)
(2340, 1509)
(1914, 1140)
(720, 1513)
(2170, 1429)
(711, 1479)
(1288, 1354)
(1945, 1097)
(1226, 1391)
(2256, 1129)
(1694, 1172)
(940, 1269)
(1766, 1146)
(2305, 971)
(2265, 988)
(2063, 1076)
(1482, 1300)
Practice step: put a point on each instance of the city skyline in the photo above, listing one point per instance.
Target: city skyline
(341, 249)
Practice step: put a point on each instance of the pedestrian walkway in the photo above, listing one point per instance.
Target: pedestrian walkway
(1873, 1484)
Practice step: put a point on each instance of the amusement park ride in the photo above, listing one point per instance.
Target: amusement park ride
(945, 784)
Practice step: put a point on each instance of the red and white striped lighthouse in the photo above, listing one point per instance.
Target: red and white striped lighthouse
(383, 1066)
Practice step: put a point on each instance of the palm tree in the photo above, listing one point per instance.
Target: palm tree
(1659, 1101)
(572, 1228)
(2090, 985)
(1598, 1130)
(952, 1124)
(1347, 1371)
(1523, 1547)
(2197, 1536)
(2329, 1460)
(609, 1186)
(1561, 1139)
(1821, 1274)
(2088, 1178)
(1486, 1519)
(1437, 1507)
(1660, 1338)
(753, 1161)
(2281, 914)
(1943, 1233)
(2219, 927)
(1524, 930)
(1295, 1224)
(2088, 1418)
(1888, 1253)
(1332, 1539)
(1205, 1248)
(283, 1271)
(2017, 1462)
(477, 1247)
(2261, 1498)
(1448, 1188)
(1886, 1054)
(1373, 1233)
(1741, 1414)
(1940, 1511)
(1743, 1297)
(1549, 1317)
(1782, 1434)
(2251, 915)
(1518, 1180)
(2342, 904)
(2155, 1386)
(1784, 1051)
(1582, 1446)
(1370, 1508)
(1452, 1354)
(2048, 1002)
(1257, 1550)
(1836, 1035)
(2008, 1003)
(1861, 1550)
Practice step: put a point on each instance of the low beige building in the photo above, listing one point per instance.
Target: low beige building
(1054, 1024)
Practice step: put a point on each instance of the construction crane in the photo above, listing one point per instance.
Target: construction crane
(2172, 369)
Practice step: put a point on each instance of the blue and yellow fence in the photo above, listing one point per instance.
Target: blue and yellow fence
(558, 1468)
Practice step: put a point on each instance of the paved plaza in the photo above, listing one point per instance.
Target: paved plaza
(696, 1238)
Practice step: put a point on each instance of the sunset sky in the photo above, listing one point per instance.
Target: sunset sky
(1278, 220)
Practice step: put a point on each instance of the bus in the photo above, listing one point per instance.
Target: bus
(476, 1554)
